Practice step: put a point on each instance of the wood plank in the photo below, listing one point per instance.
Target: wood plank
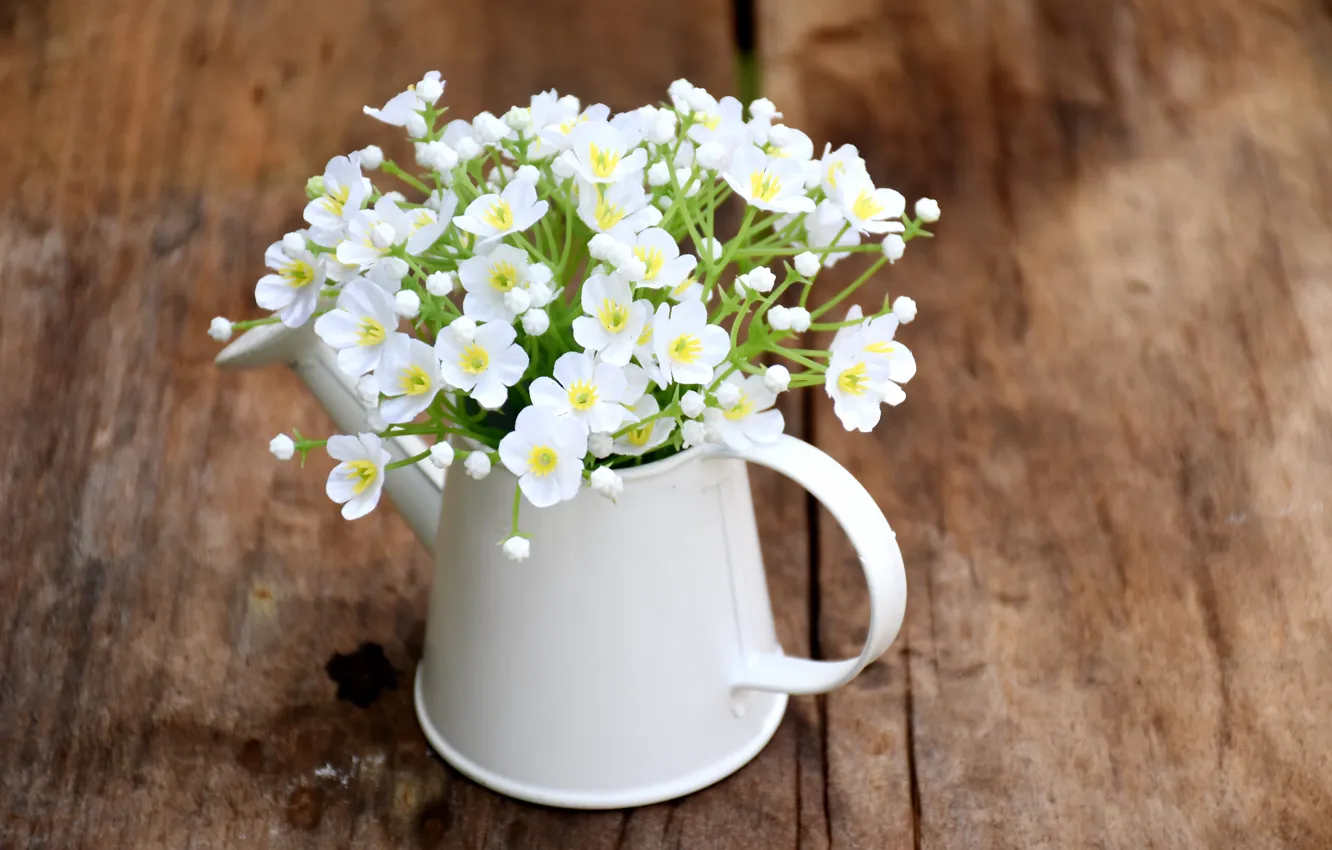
(1110, 475)
(171, 595)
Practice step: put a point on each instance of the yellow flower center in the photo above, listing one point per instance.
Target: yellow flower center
(646, 336)
(613, 315)
(297, 274)
(709, 120)
(420, 219)
(835, 169)
(639, 436)
(743, 407)
(582, 395)
(880, 348)
(474, 359)
(567, 125)
(370, 332)
(853, 380)
(764, 186)
(607, 214)
(334, 201)
(683, 286)
(363, 472)
(503, 276)
(500, 215)
(413, 380)
(653, 259)
(541, 461)
(772, 150)
(865, 205)
(603, 161)
(686, 348)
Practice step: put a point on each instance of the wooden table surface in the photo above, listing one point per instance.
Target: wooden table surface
(1112, 478)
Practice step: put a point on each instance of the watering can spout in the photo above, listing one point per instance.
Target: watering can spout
(416, 490)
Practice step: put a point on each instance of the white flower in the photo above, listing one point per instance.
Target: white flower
(663, 264)
(436, 155)
(679, 92)
(517, 300)
(517, 548)
(904, 308)
(536, 321)
(700, 100)
(357, 481)
(407, 304)
(779, 318)
(662, 128)
(806, 264)
(367, 391)
(777, 378)
(344, 192)
(893, 247)
(763, 109)
(600, 444)
(826, 225)
(835, 163)
(720, 123)
(371, 156)
(600, 153)
(927, 210)
(293, 291)
(431, 88)
(605, 482)
(359, 327)
(687, 347)
(220, 329)
(585, 390)
(439, 284)
(800, 319)
(408, 374)
(477, 465)
(760, 279)
(441, 455)
(712, 156)
(518, 118)
(692, 404)
(488, 278)
(695, 433)
(869, 210)
(685, 177)
(282, 447)
(659, 174)
(749, 420)
(644, 438)
(854, 382)
(768, 183)
(622, 206)
(546, 452)
(416, 126)
(554, 136)
(614, 320)
(459, 136)
(527, 174)
(513, 210)
(371, 235)
(789, 143)
(485, 364)
(400, 108)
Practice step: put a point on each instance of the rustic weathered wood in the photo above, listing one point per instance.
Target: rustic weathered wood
(170, 595)
(1110, 478)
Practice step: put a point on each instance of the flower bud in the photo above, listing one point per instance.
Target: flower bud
(927, 210)
(539, 273)
(477, 465)
(407, 304)
(600, 444)
(367, 390)
(518, 118)
(536, 322)
(282, 447)
(382, 235)
(652, 216)
(561, 168)
(806, 264)
(711, 156)
(700, 100)
(777, 378)
(781, 135)
(314, 187)
(727, 395)
(633, 269)
(517, 300)
(763, 109)
(659, 174)
(464, 327)
(760, 279)
(371, 157)
(220, 329)
(395, 196)
(662, 128)
(679, 92)
(441, 455)
(394, 268)
(430, 89)
(416, 126)
(468, 149)
(436, 155)
(800, 319)
(893, 247)
(904, 309)
(517, 548)
(439, 284)
(293, 244)
(527, 174)
(692, 404)
(570, 103)
(541, 294)
(694, 433)
(489, 129)
(606, 482)
(779, 318)
(374, 420)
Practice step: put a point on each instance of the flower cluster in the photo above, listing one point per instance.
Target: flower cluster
(558, 298)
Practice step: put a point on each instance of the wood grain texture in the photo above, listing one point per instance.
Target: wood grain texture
(1111, 475)
(169, 596)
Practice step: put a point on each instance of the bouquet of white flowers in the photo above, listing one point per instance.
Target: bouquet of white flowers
(603, 320)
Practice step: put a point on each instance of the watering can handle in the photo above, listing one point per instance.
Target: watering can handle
(875, 544)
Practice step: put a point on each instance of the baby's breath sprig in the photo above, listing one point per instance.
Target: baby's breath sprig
(550, 289)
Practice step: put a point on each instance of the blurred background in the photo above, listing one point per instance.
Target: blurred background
(1110, 478)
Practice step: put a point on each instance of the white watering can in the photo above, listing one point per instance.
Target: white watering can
(633, 657)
